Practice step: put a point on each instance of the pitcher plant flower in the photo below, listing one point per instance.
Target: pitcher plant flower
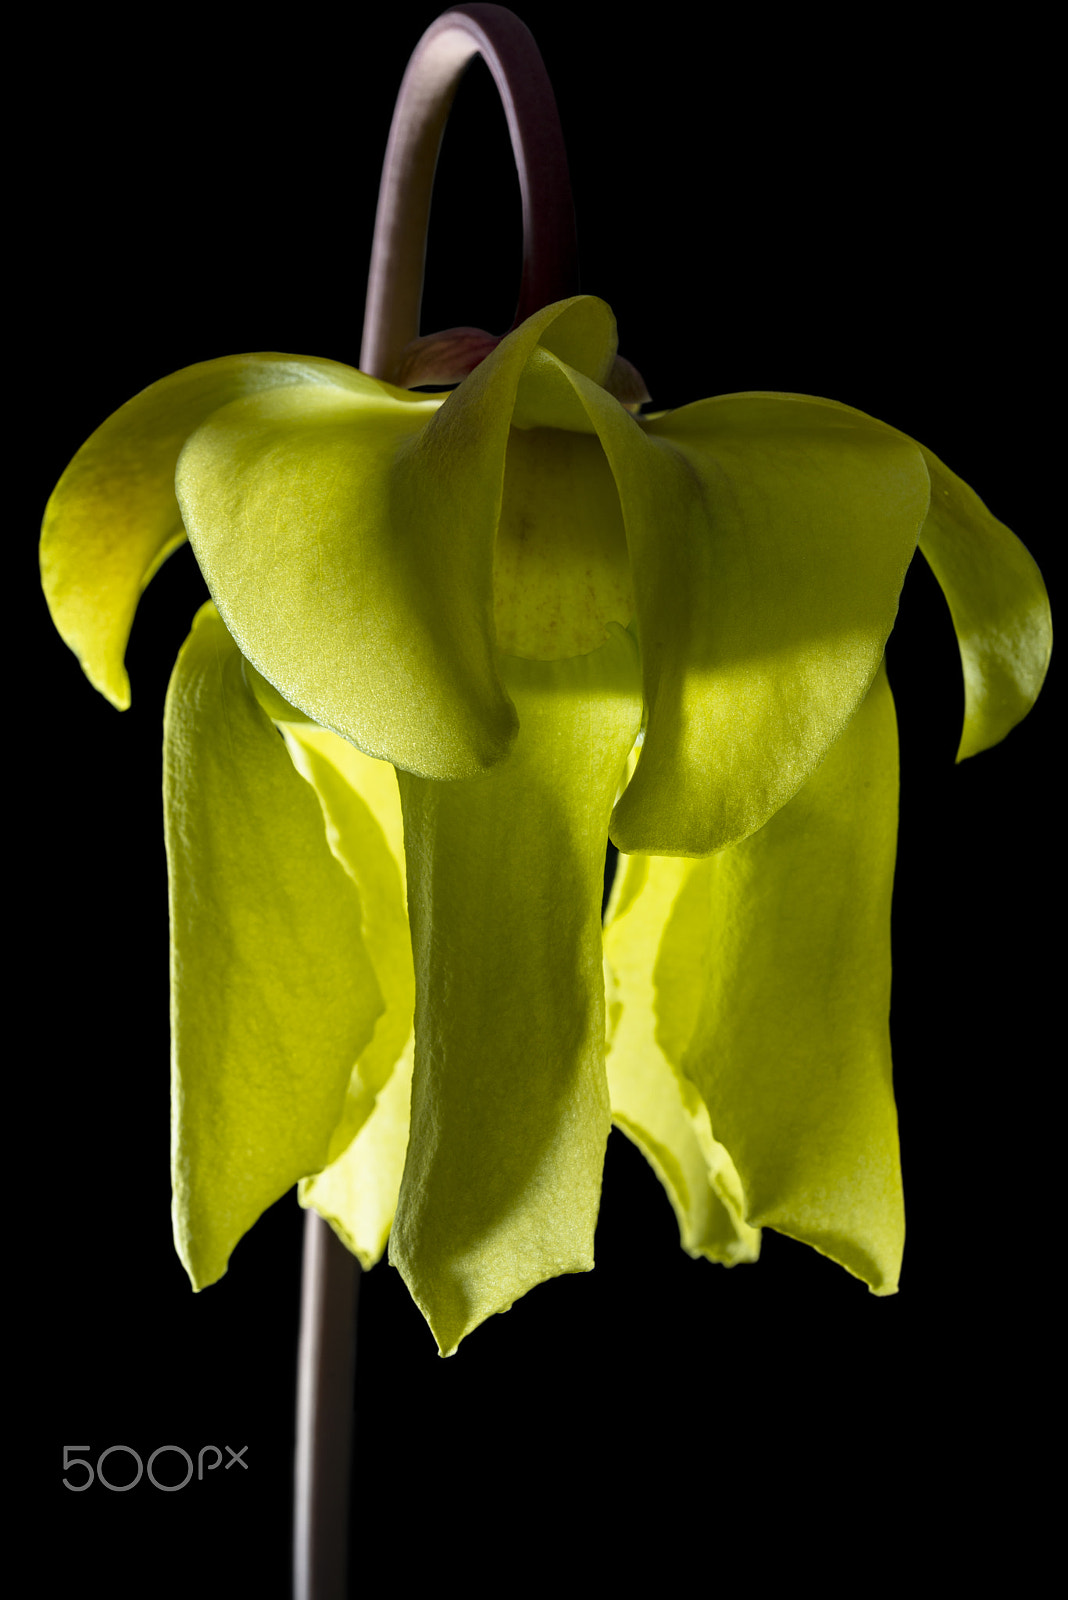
(456, 642)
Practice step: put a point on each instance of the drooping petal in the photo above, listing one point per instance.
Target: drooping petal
(651, 1102)
(113, 519)
(769, 537)
(996, 597)
(999, 606)
(510, 1109)
(273, 996)
(347, 535)
(362, 809)
(791, 1046)
(357, 1191)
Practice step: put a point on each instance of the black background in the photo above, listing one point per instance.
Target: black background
(765, 205)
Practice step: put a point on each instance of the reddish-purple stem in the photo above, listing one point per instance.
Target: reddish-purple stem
(398, 253)
(326, 1361)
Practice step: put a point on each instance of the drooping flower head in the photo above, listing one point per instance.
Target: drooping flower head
(495, 627)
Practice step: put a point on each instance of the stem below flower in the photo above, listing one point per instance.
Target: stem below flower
(326, 1369)
(550, 248)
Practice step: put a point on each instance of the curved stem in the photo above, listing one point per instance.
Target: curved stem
(326, 1369)
(326, 1360)
(550, 249)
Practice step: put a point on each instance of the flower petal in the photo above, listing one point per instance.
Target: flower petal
(791, 1047)
(347, 535)
(561, 572)
(272, 994)
(996, 597)
(769, 538)
(509, 1104)
(999, 606)
(357, 1192)
(113, 519)
(364, 828)
(651, 1102)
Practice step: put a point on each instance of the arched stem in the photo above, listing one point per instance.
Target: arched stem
(326, 1359)
(398, 253)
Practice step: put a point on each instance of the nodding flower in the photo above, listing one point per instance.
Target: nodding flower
(457, 641)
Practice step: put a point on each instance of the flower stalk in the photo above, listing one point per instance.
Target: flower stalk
(398, 252)
(392, 349)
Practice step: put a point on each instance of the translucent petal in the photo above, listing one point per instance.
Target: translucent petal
(273, 996)
(361, 806)
(510, 1108)
(113, 518)
(999, 606)
(651, 1102)
(791, 1046)
(769, 537)
(357, 1192)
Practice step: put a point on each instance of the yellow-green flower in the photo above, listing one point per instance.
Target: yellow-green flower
(556, 621)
